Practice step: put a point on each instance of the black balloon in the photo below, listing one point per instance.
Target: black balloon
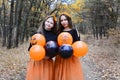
(51, 48)
(65, 51)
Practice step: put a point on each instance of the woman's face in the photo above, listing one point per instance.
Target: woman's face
(64, 21)
(49, 23)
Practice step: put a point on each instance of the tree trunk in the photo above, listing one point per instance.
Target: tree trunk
(18, 20)
(4, 42)
(25, 24)
(10, 26)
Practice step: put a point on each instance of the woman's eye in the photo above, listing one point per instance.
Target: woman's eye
(51, 23)
(61, 20)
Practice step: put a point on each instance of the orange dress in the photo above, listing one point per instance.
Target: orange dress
(68, 69)
(40, 70)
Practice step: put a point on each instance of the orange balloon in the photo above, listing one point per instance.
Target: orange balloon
(80, 48)
(37, 52)
(38, 39)
(64, 38)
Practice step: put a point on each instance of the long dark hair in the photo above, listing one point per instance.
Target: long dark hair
(42, 26)
(60, 29)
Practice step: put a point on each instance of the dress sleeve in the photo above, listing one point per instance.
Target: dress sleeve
(76, 35)
(29, 47)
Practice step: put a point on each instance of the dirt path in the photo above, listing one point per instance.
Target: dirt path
(103, 60)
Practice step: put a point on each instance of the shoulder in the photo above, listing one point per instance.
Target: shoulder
(75, 31)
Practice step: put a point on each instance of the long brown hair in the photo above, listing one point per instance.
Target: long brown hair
(42, 26)
(60, 29)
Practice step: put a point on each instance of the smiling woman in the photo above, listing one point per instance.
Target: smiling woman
(67, 66)
(43, 69)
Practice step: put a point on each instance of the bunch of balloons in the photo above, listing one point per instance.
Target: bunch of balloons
(37, 51)
(68, 48)
(40, 48)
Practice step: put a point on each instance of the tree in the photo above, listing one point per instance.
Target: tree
(104, 15)
(22, 17)
(10, 26)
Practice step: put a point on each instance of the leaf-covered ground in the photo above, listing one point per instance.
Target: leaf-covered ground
(102, 62)
(103, 59)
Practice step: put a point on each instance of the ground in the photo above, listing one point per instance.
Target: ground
(103, 59)
(102, 62)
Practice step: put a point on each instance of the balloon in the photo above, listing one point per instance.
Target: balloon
(37, 52)
(65, 51)
(38, 39)
(64, 38)
(51, 48)
(80, 48)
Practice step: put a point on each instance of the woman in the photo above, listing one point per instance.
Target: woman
(69, 68)
(43, 69)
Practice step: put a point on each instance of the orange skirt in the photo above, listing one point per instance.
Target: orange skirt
(68, 69)
(40, 70)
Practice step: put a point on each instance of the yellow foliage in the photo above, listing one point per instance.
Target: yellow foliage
(6, 4)
(76, 19)
(64, 6)
(33, 8)
(65, 13)
(0, 3)
(79, 4)
(72, 9)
